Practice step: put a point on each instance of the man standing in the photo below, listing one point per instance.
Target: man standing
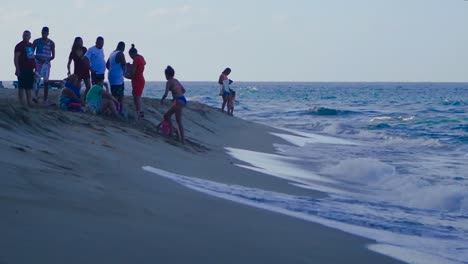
(45, 52)
(116, 66)
(24, 65)
(97, 64)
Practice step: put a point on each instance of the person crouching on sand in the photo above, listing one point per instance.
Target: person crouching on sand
(179, 101)
(100, 101)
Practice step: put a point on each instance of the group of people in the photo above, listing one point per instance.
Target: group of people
(33, 63)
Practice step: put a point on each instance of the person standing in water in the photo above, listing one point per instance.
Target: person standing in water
(45, 53)
(116, 66)
(223, 82)
(81, 66)
(24, 67)
(179, 101)
(138, 80)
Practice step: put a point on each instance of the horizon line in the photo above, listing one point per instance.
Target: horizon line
(301, 81)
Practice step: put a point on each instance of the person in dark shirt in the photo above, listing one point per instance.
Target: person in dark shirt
(81, 65)
(24, 67)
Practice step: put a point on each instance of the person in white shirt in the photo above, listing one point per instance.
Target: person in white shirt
(97, 63)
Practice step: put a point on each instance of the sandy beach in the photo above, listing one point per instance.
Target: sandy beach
(72, 190)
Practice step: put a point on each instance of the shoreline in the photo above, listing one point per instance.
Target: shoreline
(73, 187)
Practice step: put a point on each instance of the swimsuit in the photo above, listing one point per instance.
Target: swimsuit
(183, 99)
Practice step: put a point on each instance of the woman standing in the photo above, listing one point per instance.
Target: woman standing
(81, 66)
(138, 80)
(179, 101)
(223, 82)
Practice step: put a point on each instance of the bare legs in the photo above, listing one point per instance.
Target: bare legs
(137, 102)
(29, 97)
(108, 107)
(46, 91)
(87, 83)
(120, 100)
(21, 92)
(21, 95)
(177, 110)
(225, 99)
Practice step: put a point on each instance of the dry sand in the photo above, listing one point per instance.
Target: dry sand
(72, 190)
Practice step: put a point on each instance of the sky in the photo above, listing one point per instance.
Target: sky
(260, 40)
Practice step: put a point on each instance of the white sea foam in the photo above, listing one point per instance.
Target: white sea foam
(390, 119)
(448, 198)
(381, 118)
(404, 190)
(362, 170)
(409, 248)
(304, 138)
(275, 165)
(406, 118)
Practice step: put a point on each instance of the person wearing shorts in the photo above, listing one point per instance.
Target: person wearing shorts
(116, 66)
(97, 64)
(25, 65)
(45, 53)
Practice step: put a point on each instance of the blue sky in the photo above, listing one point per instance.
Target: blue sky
(296, 40)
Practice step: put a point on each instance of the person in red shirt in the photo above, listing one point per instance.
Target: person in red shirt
(25, 65)
(138, 80)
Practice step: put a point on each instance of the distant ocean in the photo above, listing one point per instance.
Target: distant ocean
(393, 158)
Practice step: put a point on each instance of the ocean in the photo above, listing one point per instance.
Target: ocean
(392, 157)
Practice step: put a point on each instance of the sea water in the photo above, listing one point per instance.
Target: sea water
(392, 157)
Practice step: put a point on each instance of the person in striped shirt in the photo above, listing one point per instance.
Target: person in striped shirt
(45, 53)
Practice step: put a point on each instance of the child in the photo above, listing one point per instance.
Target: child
(164, 128)
(231, 100)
